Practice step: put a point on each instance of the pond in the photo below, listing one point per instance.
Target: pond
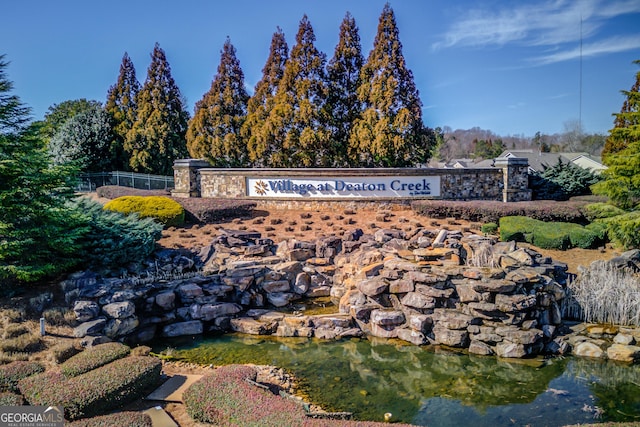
(432, 386)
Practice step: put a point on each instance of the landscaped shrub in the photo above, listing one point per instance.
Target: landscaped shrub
(492, 211)
(166, 211)
(14, 330)
(489, 228)
(25, 343)
(93, 358)
(114, 239)
(225, 398)
(595, 211)
(95, 392)
(128, 419)
(63, 351)
(554, 235)
(13, 372)
(562, 181)
(624, 230)
(10, 399)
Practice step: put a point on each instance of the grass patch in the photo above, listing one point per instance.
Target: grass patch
(554, 235)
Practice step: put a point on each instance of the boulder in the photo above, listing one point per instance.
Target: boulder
(372, 287)
(418, 300)
(449, 337)
(480, 348)
(166, 300)
(588, 349)
(119, 310)
(623, 353)
(211, 311)
(86, 310)
(120, 327)
(412, 336)
(510, 350)
(92, 327)
(387, 317)
(193, 327)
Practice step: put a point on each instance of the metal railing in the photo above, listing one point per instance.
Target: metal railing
(91, 181)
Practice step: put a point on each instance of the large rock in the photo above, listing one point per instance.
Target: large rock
(510, 350)
(93, 327)
(412, 336)
(452, 338)
(119, 310)
(193, 327)
(120, 327)
(623, 353)
(588, 349)
(418, 300)
(387, 317)
(211, 311)
(86, 310)
(166, 300)
(373, 286)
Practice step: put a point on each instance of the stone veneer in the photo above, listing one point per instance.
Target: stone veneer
(508, 181)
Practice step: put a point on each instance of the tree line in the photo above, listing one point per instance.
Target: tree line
(305, 111)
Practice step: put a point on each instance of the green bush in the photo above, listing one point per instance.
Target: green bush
(166, 211)
(93, 358)
(550, 235)
(518, 228)
(95, 392)
(13, 372)
(114, 239)
(489, 228)
(595, 211)
(624, 229)
(128, 419)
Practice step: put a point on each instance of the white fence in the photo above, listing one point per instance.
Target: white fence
(91, 181)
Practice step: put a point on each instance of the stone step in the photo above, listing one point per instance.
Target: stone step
(159, 418)
(172, 389)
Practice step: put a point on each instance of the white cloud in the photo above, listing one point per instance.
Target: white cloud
(536, 23)
(610, 45)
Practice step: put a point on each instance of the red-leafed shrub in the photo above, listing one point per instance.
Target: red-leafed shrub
(128, 419)
(13, 372)
(93, 358)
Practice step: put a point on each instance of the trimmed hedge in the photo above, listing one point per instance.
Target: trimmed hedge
(163, 209)
(489, 228)
(492, 211)
(225, 398)
(197, 210)
(12, 373)
(10, 399)
(624, 230)
(554, 235)
(93, 358)
(95, 392)
(128, 419)
(595, 211)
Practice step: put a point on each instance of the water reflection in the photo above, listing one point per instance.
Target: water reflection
(435, 388)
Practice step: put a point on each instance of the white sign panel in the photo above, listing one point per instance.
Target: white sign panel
(347, 187)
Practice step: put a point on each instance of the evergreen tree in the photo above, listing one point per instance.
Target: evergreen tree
(58, 114)
(343, 72)
(157, 136)
(298, 125)
(38, 236)
(391, 131)
(622, 154)
(121, 106)
(214, 130)
(85, 139)
(259, 143)
(626, 126)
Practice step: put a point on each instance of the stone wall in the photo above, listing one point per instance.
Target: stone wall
(508, 181)
(421, 285)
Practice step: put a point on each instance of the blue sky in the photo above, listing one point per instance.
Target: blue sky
(512, 67)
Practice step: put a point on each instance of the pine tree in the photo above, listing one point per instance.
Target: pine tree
(259, 144)
(626, 126)
(38, 236)
(391, 131)
(214, 130)
(121, 106)
(298, 125)
(622, 154)
(157, 136)
(343, 72)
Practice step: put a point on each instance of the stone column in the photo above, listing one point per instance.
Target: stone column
(515, 171)
(187, 177)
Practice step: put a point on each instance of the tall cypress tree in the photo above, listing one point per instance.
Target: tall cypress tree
(157, 136)
(391, 131)
(259, 144)
(298, 124)
(626, 126)
(214, 130)
(343, 72)
(121, 106)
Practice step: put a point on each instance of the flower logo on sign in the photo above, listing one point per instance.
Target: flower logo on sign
(261, 187)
